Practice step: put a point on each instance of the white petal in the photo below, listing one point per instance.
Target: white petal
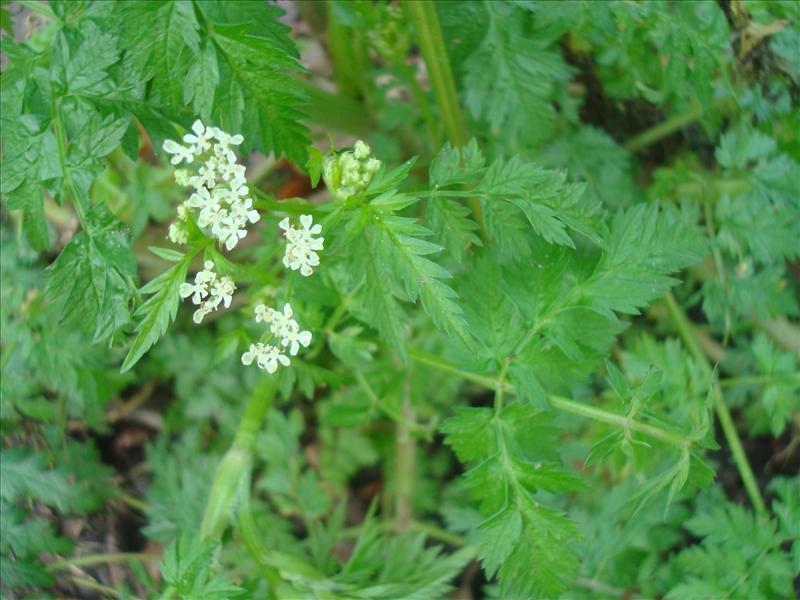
(171, 146)
(306, 271)
(316, 229)
(236, 139)
(284, 360)
(284, 224)
(247, 357)
(287, 311)
(304, 338)
(198, 128)
(306, 221)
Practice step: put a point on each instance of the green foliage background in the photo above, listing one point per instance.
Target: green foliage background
(556, 345)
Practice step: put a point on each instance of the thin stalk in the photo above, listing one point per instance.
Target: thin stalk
(558, 402)
(723, 414)
(431, 44)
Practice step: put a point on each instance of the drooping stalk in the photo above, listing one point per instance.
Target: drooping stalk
(723, 414)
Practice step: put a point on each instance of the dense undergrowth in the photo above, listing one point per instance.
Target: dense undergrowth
(402, 300)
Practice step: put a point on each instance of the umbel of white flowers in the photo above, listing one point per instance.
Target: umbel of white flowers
(349, 173)
(220, 190)
(301, 245)
(287, 334)
(208, 291)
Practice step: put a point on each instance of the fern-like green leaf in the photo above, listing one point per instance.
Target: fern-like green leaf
(158, 311)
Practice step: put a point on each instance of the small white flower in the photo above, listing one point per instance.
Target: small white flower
(201, 138)
(208, 291)
(295, 338)
(250, 355)
(270, 358)
(179, 153)
(266, 356)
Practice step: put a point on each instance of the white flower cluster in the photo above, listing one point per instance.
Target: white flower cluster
(301, 245)
(220, 190)
(287, 333)
(348, 173)
(208, 291)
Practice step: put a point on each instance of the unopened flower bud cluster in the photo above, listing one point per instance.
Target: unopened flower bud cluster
(220, 191)
(349, 173)
(208, 291)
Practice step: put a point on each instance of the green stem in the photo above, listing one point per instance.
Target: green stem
(252, 540)
(793, 378)
(422, 101)
(665, 128)
(99, 559)
(431, 44)
(91, 584)
(621, 421)
(130, 500)
(437, 533)
(61, 143)
(673, 124)
(168, 592)
(782, 331)
(232, 477)
(723, 414)
(558, 402)
(405, 463)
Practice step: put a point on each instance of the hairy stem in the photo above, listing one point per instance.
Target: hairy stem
(429, 37)
(723, 414)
